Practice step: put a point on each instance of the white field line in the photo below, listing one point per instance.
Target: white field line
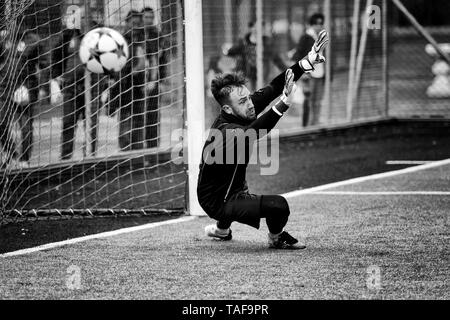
(367, 178)
(407, 162)
(185, 219)
(384, 193)
(95, 236)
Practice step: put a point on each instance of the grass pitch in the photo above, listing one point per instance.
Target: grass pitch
(405, 237)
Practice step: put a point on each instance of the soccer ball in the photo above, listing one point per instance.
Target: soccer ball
(103, 50)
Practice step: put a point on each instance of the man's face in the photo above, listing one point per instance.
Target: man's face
(318, 25)
(240, 104)
(134, 22)
(149, 18)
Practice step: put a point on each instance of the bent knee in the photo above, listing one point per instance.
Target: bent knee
(276, 205)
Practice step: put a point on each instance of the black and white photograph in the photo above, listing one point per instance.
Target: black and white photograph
(224, 155)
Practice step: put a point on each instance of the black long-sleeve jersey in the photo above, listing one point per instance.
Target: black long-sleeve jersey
(218, 181)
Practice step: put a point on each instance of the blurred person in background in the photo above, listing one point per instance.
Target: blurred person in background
(127, 93)
(156, 43)
(244, 51)
(68, 73)
(31, 64)
(156, 71)
(313, 83)
(8, 146)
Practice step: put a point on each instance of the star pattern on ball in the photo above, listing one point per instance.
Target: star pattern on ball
(95, 55)
(120, 51)
(106, 52)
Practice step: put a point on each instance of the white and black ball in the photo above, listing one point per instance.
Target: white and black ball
(104, 50)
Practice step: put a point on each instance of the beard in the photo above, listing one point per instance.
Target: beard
(251, 115)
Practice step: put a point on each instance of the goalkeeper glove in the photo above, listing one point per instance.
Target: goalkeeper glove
(315, 56)
(288, 94)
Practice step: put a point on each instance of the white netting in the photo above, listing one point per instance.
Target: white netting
(103, 143)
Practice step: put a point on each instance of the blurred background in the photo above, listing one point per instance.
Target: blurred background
(392, 71)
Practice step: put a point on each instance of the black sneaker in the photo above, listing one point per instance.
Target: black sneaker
(285, 241)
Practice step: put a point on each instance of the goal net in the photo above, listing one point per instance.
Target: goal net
(78, 143)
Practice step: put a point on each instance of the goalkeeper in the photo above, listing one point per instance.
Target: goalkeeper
(222, 190)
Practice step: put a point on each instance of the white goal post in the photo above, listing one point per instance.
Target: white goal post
(195, 99)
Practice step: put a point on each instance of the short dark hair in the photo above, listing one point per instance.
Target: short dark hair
(223, 85)
(148, 9)
(133, 13)
(316, 17)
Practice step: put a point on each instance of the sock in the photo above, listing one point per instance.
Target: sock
(222, 232)
(274, 236)
(223, 225)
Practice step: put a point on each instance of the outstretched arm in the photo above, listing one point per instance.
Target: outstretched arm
(269, 119)
(263, 97)
(236, 135)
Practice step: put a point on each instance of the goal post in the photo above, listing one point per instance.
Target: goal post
(195, 99)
